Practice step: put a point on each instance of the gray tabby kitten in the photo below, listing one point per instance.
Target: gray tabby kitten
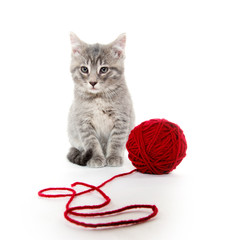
(101, 116)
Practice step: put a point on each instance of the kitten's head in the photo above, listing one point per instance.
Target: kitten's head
(97, 68)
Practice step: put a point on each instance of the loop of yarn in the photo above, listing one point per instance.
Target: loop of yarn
(156, 146)
(69, 211)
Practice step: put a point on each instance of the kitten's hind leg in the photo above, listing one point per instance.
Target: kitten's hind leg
(78, 157)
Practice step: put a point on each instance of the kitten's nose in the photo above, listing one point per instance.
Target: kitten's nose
(93, 83)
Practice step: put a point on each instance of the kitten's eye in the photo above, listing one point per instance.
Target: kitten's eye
(103, 70)
(84, 69)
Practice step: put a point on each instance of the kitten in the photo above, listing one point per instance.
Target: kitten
(101, 116)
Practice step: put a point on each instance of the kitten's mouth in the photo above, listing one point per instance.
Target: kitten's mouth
(93, 89)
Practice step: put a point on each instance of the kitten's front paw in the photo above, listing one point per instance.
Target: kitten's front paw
(97, 161)
(114, 161)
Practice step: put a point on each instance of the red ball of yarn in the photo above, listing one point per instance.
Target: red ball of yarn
(156, 146)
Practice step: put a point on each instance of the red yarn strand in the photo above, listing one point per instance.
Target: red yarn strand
(73, 211)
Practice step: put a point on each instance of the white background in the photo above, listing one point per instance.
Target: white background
(175, 69)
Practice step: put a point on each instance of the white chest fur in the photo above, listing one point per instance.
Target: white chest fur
(102, 118)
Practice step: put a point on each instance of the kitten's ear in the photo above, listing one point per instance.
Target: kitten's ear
(118, 46)
(76, 44)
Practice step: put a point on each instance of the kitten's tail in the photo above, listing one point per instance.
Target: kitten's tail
(78, 157)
